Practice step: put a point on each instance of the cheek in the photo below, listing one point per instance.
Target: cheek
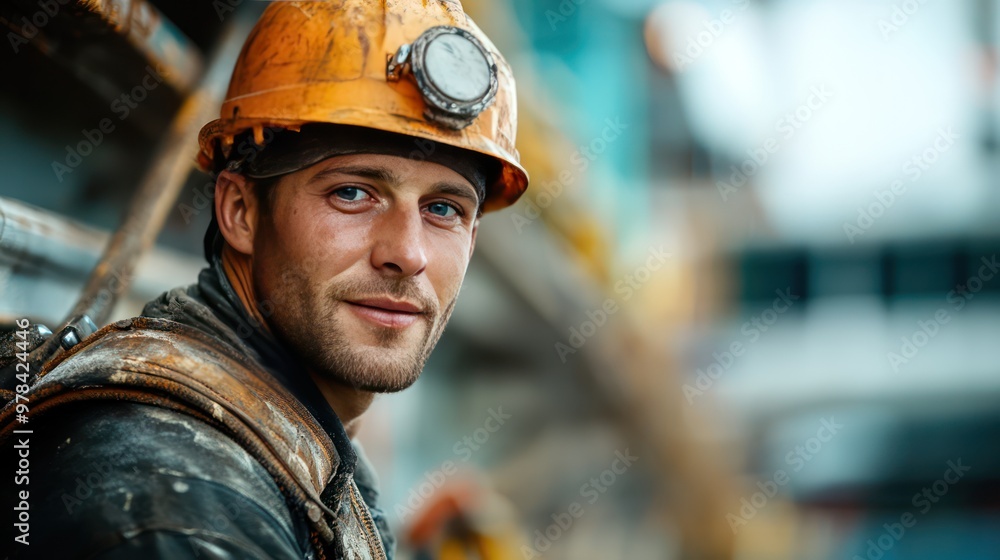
(318, 243)
(276, 275)
(448, 273)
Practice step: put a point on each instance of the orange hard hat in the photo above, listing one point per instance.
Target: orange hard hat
(413, 67)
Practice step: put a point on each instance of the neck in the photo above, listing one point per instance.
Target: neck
(348, 402)
(238, 267)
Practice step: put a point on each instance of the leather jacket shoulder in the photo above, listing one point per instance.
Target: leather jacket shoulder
(129, 480)
(212, 424)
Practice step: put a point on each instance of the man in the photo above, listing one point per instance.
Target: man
(358, 146)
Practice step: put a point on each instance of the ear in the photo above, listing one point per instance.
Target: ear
(236, 210)
(475, 230)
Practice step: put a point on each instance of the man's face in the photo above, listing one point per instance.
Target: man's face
(361, 258)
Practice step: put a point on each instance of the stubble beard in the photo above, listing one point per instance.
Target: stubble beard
(310, 324)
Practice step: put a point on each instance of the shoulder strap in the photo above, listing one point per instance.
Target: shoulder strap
(175, 366)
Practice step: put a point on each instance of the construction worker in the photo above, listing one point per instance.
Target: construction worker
(358, 146)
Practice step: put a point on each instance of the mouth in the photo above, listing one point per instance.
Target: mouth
(385, 312)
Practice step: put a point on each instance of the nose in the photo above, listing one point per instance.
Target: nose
(399, 249)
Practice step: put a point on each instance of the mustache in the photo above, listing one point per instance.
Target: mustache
(406, 290)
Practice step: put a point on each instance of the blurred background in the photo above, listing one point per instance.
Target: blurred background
(746, 310)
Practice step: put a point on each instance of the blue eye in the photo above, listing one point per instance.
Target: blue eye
(442, 209)
(350, 194)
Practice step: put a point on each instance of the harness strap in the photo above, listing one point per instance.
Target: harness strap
(178, 367)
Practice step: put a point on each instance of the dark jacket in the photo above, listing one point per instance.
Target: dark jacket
(130, 480)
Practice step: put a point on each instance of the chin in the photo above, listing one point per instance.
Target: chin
(376, 381)
(373, 368)
(387, 386)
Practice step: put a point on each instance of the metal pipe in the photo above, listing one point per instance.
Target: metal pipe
(40, 239)
(149, 207)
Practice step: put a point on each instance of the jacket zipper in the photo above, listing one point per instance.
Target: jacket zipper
(371, 533)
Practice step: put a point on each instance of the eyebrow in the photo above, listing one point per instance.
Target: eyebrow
(386, 176)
